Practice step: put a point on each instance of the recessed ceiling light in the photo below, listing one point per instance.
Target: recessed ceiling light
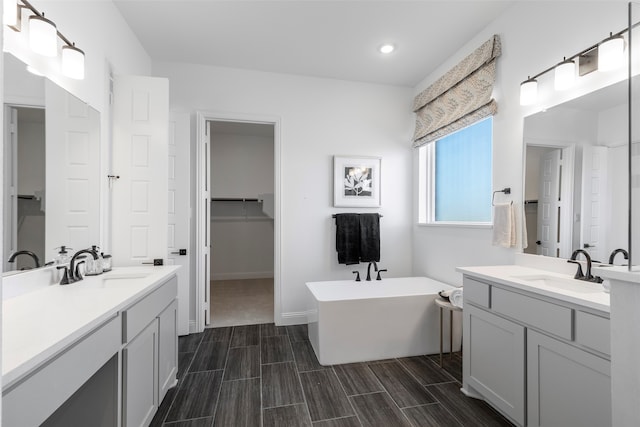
(387, 48)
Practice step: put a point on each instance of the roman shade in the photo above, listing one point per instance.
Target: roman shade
(460, 97)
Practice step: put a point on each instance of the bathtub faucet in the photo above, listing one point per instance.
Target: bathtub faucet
(375, 266)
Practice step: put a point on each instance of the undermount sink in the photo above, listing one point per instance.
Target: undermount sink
(572, 285)
(110, 280)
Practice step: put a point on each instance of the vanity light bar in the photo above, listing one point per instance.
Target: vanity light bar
(43, 36)
(612, 51)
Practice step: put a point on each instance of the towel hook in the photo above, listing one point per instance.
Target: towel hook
(506, 190)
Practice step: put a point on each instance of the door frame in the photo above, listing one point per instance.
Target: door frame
(202, 223)
(567, 188)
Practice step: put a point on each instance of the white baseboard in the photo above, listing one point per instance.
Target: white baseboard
(292, 318)
(242, 276)
(192, 327)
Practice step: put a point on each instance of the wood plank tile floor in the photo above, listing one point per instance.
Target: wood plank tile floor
(266, 375)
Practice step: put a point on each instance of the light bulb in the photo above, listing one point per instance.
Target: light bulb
(387, 48)
(528, 92)
(611, 53)
(565, 75)
(43, 36)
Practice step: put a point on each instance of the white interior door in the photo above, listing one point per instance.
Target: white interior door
(178, 211)
(594, 202)
(10, 184)
(548, 204)
(140, 159)
(203, 205)
(72, 199)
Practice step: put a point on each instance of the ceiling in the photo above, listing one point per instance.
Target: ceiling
(328, 39)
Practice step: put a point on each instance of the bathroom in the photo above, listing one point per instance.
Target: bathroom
(317, 118)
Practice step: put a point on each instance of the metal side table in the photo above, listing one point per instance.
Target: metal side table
(446, 305)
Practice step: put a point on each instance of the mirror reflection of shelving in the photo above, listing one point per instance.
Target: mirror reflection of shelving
(247, 208)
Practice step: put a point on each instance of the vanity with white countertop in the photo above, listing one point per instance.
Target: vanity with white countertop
(537, 345)
(102, 350)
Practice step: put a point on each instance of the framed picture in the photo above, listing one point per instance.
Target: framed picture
(356, 181)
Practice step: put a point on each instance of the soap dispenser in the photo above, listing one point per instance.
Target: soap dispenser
(63, 256)
(93, 266)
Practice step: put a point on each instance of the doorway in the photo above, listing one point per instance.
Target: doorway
(24, 181)
(241, 223)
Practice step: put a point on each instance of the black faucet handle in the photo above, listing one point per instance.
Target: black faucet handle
(380, 271)
(65, 277)
(579, 274)
(357, 273)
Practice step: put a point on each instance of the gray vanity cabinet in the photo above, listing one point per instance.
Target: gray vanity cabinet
(140, 378)
(538, 360)
(149, 364)
(566, 386)
(495, 360)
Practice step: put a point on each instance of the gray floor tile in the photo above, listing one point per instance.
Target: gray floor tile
(339, 422)
(198, 422)
(378, 409)
(217, 334)
(306, 359)
(433, 415)
(276, 349)
(452, 365)
(239, 404)
(280, 385)
(242, 363)
(298, 333)
(163, 410)
(184, 361)
(426, 370)
(357, 378)
(189, 343)
(210, 356)
(270, 329)
(286, 416)
(324, 394)
(196, 397)
(245, 336)
(402, 387)
(469, 411)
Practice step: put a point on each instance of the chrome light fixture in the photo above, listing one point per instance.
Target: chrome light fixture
(528, 91)
(607, 54)
(73, 62)
(611, 53)
(564, 75)
(43, 37)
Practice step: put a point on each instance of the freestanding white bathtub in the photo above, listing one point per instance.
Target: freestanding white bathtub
(353, 321)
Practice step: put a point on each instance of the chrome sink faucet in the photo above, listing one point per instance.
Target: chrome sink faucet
(579, 275)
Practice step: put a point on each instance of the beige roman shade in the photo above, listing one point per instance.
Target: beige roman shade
(460, 97)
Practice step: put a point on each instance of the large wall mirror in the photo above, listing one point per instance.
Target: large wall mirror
(576, 176)
(51, 145)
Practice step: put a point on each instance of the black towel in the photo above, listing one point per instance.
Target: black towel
(369, 237)
(348, 238)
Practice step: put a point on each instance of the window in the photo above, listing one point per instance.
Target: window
(455, 176)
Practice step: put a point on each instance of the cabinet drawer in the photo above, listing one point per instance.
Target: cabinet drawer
(138, 316)
(476, 292)
(540, 314)
(593, 331)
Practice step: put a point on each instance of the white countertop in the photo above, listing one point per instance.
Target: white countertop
(580, 292)
(619, 273)
(37, 325)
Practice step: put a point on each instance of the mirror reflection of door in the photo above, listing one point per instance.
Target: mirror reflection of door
(24, 177)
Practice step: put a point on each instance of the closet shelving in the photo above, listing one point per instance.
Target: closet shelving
(238, 209)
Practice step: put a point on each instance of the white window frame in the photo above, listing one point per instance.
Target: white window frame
(427, 189)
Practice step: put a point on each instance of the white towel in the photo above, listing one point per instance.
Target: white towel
(504, 225)
(456, 297)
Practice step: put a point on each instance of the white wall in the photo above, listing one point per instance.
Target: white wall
(535, 35)
(319, 118)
